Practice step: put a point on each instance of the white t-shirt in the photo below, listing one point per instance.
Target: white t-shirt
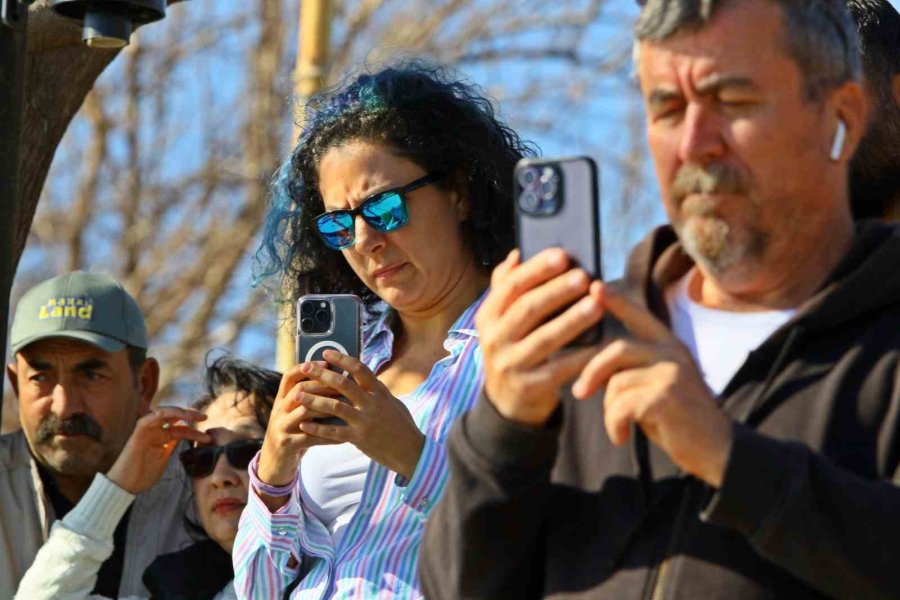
(332, 479)
(719, 340)
(331, 484)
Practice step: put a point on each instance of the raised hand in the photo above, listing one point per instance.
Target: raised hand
(652, 380)
(285, 444)
(144, 458)
(524, 369)
(376, 422)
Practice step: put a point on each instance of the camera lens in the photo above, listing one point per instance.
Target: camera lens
(307, 309)
(529, 201)
(528, 177)
(549, 187)
(323, 316)
(307, 325)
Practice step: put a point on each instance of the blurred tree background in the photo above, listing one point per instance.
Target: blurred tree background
(161, 179)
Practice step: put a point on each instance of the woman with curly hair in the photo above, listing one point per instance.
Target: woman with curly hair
(400, 191)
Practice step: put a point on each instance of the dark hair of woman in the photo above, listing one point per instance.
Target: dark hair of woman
(421, 113)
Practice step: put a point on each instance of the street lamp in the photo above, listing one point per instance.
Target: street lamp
(108, 23)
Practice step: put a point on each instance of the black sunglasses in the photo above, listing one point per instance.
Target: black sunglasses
(200, 461)
(385, 211)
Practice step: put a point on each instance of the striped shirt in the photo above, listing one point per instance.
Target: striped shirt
(377, 556)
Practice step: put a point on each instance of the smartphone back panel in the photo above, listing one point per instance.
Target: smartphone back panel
(341, 331)
(568, 219)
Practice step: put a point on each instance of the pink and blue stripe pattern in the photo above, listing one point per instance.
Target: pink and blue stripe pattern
(378, 555)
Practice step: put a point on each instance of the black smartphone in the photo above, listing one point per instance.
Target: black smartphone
(557, 204)
(328, 321)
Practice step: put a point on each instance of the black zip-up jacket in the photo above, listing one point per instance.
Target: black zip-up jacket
(809, 506)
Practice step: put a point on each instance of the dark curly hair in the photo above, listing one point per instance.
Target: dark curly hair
(229, 374)
(423, 113)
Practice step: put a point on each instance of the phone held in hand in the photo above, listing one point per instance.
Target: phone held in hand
(557, 205)
(328, 322)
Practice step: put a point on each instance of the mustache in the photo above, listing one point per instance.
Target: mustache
(715, 178)
(77, 424)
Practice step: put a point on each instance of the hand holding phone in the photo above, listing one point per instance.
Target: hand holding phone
(557, 205)
(328, 322)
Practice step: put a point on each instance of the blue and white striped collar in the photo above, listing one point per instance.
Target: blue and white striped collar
(381, 324)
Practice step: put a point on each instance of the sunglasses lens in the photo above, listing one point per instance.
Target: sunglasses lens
(199, 461)
(386, 212)
(240, 454)
(336, 230)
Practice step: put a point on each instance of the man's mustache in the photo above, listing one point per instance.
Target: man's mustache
(77, 424)
(715, 178)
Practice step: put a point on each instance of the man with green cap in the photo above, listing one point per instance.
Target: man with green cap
(84, 386)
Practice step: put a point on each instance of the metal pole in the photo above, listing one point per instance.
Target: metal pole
(12, 97)
(309, 77)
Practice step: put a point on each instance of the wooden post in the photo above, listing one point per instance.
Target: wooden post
(12, 97)
(309, 78)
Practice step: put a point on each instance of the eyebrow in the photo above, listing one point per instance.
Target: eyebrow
(706, 86)
(91, 364)
(717, 82)
(37, 364)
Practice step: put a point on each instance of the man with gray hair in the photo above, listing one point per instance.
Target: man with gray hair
(736, 436)
(875, 171)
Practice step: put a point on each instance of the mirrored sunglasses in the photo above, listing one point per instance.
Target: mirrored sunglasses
(200, 461)
(385, 212)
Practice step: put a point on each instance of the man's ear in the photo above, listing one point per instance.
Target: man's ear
(148, 380)
(12, 373)
(852, 108)
(463, 208)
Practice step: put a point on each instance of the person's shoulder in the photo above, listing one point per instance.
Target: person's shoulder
(14, 454)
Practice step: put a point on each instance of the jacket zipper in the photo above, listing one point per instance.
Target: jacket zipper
(656, 589)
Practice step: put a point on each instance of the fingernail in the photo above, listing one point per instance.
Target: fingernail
(589, 306)
(577, 389)
(556, 259)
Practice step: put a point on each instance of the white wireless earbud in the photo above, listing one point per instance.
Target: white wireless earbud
(840, 134)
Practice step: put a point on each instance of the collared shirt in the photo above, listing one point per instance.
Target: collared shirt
(377, 556)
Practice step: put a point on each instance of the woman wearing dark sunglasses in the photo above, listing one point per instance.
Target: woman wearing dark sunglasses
(237, 405)
(399, 191)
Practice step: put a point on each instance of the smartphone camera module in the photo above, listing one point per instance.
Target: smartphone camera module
(528, 177)
(540, 190)
(315, 316)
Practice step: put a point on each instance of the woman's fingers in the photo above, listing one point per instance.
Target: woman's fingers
(335, 434)
(339, 382)
(332, 407)
(361, 374)
(291, 377)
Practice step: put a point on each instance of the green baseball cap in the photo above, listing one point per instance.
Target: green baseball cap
(80, 306)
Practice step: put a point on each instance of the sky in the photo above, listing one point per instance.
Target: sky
(596, 131)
